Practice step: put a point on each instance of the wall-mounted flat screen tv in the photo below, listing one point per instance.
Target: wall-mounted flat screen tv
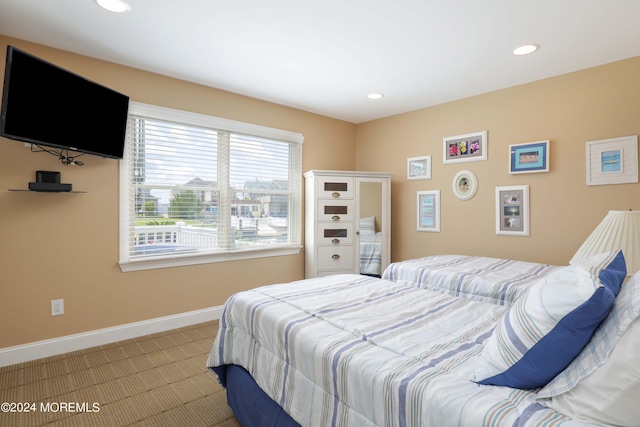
(48, 106)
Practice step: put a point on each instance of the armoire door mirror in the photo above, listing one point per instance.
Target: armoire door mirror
(372, 219)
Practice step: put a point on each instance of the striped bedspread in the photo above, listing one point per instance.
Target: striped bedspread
(499, 281)
(351, 350)
(371, 254)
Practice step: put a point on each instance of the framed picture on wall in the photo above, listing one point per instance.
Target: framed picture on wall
(419, 168)
(470, 147)
(428, 212)
(612, 161)
(512, 210)
(464, 185)
(529, 158)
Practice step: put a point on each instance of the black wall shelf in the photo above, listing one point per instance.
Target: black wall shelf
(34, 191)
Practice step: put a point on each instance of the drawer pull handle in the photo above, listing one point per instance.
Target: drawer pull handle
(335, 256)
(335, 218)
(335, 194)
(335, 241)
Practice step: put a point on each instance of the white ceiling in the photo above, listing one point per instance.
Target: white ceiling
(325, 56)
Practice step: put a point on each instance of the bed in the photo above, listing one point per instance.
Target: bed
(500, 281)
(353, 350)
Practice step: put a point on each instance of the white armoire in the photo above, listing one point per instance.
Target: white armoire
(347, 222)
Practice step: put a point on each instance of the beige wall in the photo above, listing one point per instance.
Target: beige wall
(569, 110)
(66, 245)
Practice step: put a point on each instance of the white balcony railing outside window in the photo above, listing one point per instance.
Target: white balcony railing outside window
(180, 237)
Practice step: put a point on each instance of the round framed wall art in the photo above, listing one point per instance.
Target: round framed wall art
(465, 185)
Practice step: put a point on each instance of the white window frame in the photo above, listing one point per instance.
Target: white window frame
(202, 120)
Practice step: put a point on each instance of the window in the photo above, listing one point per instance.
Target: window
(197, 189)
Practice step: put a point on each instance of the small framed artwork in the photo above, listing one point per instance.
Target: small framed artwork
(428, 214)
(612, 161)
(512, 210)
(470, 147)
(529, 158)
(465, 185)
(419, 167)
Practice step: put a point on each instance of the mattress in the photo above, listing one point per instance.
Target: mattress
(352, 350)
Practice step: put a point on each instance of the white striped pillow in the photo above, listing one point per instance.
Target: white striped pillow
(625, 312)
(609, 395)
(368, 226)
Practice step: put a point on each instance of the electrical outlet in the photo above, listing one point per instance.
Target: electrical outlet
(57, 307)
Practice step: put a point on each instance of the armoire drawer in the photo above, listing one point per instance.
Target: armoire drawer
(335, 234)
(335, 187)
(336, 258)
(336, 210)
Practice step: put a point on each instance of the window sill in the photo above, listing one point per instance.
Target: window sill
(184, 260)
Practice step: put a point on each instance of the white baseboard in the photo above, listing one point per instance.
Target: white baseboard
(65, 344)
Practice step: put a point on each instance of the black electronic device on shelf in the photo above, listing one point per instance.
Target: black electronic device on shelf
(48, 182)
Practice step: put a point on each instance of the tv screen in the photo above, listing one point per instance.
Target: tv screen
(46, 105)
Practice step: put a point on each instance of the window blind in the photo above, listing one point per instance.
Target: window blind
(201, 186)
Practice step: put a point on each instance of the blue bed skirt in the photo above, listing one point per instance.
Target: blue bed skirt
(251, 406)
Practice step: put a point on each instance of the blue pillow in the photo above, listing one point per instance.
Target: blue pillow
(549, 326)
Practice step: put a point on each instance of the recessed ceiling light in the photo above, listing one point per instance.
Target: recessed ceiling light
(375, 96)
(117, 6)
(526, 49)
